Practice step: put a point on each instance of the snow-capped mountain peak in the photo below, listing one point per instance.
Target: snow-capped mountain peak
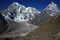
(52, 9)
(52, 3)
(47, 14)
(15, 3)
(18, 12)
(52, 6)
(15, 6)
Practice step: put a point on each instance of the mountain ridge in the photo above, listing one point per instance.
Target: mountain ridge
(49, 12)
(19, 13)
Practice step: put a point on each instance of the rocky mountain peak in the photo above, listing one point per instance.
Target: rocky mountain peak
(52, 6)
(18, 12)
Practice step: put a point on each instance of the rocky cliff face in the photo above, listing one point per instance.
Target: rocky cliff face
(4, 25)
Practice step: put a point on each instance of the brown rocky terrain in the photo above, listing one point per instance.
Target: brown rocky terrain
(48, 31)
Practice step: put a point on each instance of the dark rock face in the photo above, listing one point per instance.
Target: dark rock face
(3, 24)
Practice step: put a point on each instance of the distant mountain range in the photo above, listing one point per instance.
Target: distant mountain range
(25, 19)
(19, 13)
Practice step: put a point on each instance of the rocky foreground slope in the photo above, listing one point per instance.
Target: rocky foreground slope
(48, 31)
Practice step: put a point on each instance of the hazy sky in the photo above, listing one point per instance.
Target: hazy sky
(38, 4)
